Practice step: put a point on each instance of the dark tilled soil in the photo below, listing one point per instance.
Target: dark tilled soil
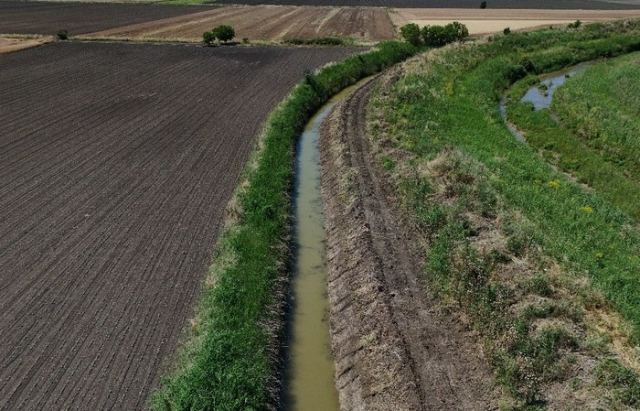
(26, 17)
(473, 4)
(116, 163)
(394, 348)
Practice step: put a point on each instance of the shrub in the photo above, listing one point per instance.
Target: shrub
(458, 30)
(224, 33)
(411, 33)
(63, 35)
(483, 5)
(575, 25)
(434, 36)
(438, 36)
(208, 38)
(507, 31)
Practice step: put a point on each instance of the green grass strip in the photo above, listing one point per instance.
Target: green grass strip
(229, 363)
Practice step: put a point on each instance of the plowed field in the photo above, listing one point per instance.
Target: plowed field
(27, 17)
(267, 23)
(116, 162)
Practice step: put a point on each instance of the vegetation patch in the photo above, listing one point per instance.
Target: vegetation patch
(528, 257)
(231, 359)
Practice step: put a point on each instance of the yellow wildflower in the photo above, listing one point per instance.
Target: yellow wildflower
(555, 184)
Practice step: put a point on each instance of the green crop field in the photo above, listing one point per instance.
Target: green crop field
(530, 256)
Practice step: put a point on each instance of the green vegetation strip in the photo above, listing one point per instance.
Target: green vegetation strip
(445, 113)
(230, 362)
(592, 130)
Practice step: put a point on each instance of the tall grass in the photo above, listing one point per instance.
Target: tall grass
(230, 362)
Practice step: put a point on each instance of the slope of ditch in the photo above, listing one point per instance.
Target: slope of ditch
(393, 345)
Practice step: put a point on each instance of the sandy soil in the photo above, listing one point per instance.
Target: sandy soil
(116, 164)
(492, 20)
(394, 348)
(272, 23)
(10, 44)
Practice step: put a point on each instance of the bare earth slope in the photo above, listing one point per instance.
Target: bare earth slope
(116, 163)
(394, 349)
(30, 17)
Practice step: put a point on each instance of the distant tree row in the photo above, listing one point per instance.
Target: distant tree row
(221, 33)
(434, 36)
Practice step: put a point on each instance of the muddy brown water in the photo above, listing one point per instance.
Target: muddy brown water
(310, 383)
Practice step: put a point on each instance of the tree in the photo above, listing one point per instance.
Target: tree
(458, 30)
(434, 36)
(63, 35)
(411, 33)
(224, 33)
(507, 31)
(483, 5)
(208, 38)
(438, 36)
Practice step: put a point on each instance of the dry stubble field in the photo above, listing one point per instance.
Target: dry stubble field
(116, 163)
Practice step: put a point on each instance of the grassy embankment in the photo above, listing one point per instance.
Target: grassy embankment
(542, 268)
(230, 359)
(592, 128)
